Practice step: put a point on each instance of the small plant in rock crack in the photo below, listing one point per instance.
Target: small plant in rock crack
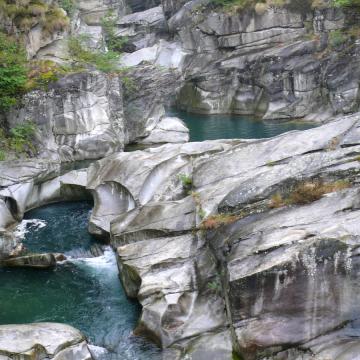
(214, 286)
(213, 222)
(186, 181)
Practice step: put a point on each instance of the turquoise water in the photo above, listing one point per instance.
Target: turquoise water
(85, 292)
(212, 127)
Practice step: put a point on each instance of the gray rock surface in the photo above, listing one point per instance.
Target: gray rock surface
(42, 340)
(215, 267)
(35, 261)
(80, 117)
(168, 130)
(282, 281)
(286, 277)
(264, 64)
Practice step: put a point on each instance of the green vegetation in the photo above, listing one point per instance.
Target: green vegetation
(186, 181)
(25, 14)
(106, 62)
(18, 141)
(68, 6)
(214, 286)
(307, 192)
(302, 6)
(114, 43)
(13, 72)
(336, 38)
(346, 3)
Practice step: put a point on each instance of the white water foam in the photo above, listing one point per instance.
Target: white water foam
(103, 267)
(97, 352)
(26, 225)
(106, 260)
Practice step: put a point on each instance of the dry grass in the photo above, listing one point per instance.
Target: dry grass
(307, 192)
(215, 221)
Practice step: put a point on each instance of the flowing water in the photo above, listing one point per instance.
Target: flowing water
(212, 127)
(83, 292)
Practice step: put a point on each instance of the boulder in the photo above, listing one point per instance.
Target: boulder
(43, 340)
(142, 29)
(35, 261)
(168, 130)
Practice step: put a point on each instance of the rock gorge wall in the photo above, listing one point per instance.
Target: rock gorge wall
(271, 283)
(263, 282)
(277, 64)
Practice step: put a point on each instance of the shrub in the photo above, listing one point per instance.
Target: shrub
(21, 137)
(19, 140)
(307, 192)
(214, 286)
(336, 38)
(68, 6)
(346, 3)
(43, 72)
(55, 20)
(12, 71)
(113, 42)
(26, 13)
(186, 181)
(106, 62)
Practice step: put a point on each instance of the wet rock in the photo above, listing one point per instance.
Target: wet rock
(43, 340)
(124, 180)
(260, 63)
(210, 346)
(60, 257)
(170, 279)
(36, 261)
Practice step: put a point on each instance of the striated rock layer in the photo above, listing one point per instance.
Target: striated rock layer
(275, 282)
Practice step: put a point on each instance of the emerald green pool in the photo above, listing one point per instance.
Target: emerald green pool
(83, 292)
(212, 127)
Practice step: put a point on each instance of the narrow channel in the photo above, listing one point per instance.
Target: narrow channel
(84, 291)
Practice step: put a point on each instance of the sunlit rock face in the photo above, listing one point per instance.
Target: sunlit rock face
(80, 117)
(277, 279)
(291, 274)
(50, 340)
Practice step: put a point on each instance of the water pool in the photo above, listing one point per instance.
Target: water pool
(212, 127)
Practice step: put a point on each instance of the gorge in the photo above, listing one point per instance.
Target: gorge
(230, 230)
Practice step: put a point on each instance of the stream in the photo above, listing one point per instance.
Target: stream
(83, 292)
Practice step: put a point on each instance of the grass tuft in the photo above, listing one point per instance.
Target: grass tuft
(307, 192)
